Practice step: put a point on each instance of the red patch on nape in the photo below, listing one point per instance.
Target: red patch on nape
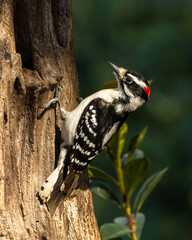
(147, 90)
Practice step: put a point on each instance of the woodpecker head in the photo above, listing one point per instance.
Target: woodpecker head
(132, 84)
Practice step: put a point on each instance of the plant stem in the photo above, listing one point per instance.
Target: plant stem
(120, 175)
(126, 202)
(121, 183)
(131, 221)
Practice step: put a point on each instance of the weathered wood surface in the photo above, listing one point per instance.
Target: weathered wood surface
(36, 53)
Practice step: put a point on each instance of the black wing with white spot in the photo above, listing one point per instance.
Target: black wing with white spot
(97, 119)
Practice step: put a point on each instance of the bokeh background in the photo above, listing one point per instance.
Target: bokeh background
(154, 37)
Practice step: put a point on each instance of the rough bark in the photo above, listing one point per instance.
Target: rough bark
(36, 53)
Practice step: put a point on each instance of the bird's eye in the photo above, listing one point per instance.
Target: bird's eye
(129, 79)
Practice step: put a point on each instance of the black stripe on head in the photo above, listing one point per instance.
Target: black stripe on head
(122, 87)
(136, 90)
(136, 74)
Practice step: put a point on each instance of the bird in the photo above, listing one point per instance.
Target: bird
(88, 129)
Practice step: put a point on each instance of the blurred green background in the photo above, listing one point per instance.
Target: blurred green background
(153, 37)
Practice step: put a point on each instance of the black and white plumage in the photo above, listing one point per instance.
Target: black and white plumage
(88, 128)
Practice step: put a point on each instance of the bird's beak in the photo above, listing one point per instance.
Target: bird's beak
(119, 72)
(115, 68)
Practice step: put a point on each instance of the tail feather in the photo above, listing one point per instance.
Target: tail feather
(55, 198)
(59, 184)
(56, 188)
(60, 192)
(72, 185)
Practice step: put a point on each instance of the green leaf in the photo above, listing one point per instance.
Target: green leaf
(105, 192)
(135, 142)
(109, 85)
(121, 221)
(146, 189)
(133, 172)
(115, 146)
(138, 154)
(113, 230)
(140, 220)
(124, 158)
(95, 172)
(150, 81)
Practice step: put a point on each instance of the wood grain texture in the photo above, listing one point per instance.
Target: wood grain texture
(36, 53)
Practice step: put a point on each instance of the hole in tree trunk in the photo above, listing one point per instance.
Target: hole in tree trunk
(18, 86)
(22, 33)
(5, 118)
(43, 238)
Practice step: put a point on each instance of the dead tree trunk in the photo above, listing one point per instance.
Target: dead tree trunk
(36, 53)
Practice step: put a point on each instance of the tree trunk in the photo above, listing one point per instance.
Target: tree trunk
(36, 54)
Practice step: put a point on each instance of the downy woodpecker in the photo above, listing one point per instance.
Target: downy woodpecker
(87, 130)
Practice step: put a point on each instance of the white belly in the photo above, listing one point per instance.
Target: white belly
(110, 134)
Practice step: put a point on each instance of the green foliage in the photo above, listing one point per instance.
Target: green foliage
(116, 145)
(108, 85)
(95, 172)
(140, 220)
(113, 230)
(146, 189)
(133, 173)
(153, 38)
(104, 191)
(131, 168)
(135, 142)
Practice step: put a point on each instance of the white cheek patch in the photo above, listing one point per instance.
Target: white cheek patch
(127, 91)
